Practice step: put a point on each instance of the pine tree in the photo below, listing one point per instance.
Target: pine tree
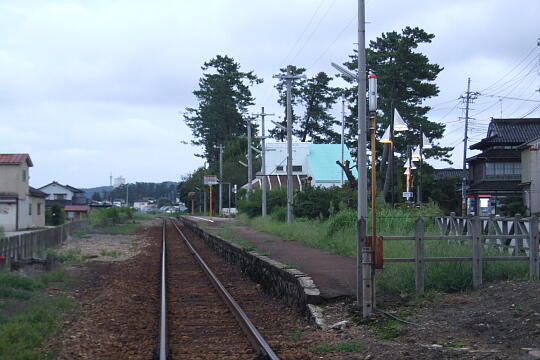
(315, 97)
(223, 96)
(405, 79)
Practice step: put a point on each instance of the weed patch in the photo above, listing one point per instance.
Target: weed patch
(27, 317)
(350, 347)
(110, 253)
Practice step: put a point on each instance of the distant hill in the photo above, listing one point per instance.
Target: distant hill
(139, 190)
(100, 189)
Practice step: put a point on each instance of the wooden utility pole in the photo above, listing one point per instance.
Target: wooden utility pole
(468, 99)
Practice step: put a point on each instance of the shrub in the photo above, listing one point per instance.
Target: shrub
(318, 202)
(252, 206)
(55, 216)
(344, 219)
(279, 214)
(2, 233)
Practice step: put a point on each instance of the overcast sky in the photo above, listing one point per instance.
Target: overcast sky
(90, 87)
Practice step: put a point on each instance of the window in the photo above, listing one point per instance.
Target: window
(503, 169)
(29, 209)
(60, 196)
(297, 168)
(279, 168)
(24, 175)
(39, 209)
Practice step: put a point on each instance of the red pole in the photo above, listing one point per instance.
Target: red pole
(210, 200)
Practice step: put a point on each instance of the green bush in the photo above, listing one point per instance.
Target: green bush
(344, 219)
(279, 214)
(318, 202)
(252, 207)
(55, 215)
(2, 233)
(116, 214)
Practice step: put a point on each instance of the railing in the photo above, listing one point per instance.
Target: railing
(517, 237)
(33, 244)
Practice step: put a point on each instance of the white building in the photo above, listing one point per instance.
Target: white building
(63, 194)
(530, 175)
(21, 206)
(119, 181)
(315, 161)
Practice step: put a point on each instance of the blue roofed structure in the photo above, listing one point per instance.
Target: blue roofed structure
(317, 161)
(321, 162)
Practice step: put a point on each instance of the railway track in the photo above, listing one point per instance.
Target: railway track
(199, 317)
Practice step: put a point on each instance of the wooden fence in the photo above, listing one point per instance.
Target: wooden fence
(32, 244)
(517, 237)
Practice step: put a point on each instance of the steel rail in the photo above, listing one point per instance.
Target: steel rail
(163, 351)
(253, 335)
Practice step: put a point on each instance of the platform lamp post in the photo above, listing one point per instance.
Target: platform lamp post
(361, 161)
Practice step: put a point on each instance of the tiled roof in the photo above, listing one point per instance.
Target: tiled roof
(448, 173)
(495, 186)
(498, 154)
(509, 131)
(78, 208)
(14, 159)
(37, 193)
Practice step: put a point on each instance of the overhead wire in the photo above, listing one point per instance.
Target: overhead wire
(511, 70)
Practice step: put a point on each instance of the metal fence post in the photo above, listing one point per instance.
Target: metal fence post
(476, 251)
(534, 264)
(419, 255)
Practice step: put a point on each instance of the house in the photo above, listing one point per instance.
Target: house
(76, 212)
(21, 206)
(63, 195)
(316, 162)
(530, 174)
(495, 173)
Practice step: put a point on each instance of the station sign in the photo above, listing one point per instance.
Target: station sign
(211, 180)
(407, 194)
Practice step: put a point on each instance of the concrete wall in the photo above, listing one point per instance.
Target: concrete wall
(38, 217)
(33, 244)
(11, 179)
(291, 285)
(25, 219)
(8, 216)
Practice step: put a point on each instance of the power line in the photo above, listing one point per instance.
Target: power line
(333, 42)
(511, 70)
(303, 32)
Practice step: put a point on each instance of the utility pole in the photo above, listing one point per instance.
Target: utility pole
(362, 157)
(127, 194)
(263, 141)
(288, 79)
(468, 99)
(220, 179)
(342, 134)
(249, 158)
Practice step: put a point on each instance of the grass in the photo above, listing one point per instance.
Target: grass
(397, 278)
(110, 253)
(349, 347)
(26, 320)
(73, 256)
(122, 229)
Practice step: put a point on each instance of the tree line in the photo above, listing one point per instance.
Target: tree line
(406, 78)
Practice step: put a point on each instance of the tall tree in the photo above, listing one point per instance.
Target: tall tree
(296, 92)
(405, 79)
(224, 95)
(315, 97)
